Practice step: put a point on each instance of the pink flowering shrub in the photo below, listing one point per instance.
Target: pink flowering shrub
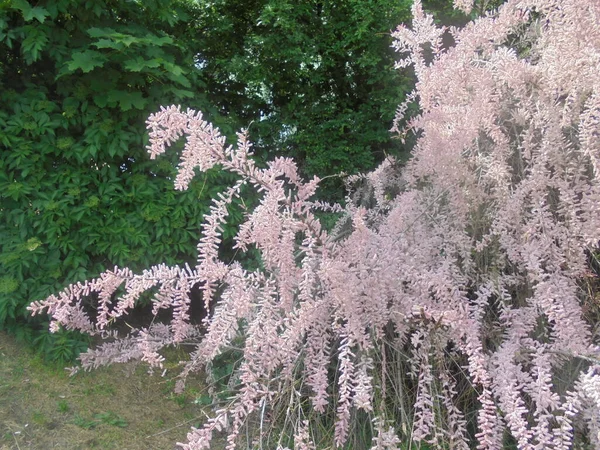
(449, 312)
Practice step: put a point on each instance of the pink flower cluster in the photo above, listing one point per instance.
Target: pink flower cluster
(463, 281)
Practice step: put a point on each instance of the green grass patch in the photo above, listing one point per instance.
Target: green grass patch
(119, 407)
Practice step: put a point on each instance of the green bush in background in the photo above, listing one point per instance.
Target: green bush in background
(315, 78)
(78, 194)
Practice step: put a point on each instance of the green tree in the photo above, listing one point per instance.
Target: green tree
(444, 12)
(315, 78)
(77, 81)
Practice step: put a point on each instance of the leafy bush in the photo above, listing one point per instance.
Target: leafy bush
(77, 81)
(451, 311)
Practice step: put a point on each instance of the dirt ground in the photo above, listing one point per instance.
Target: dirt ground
(120, 407)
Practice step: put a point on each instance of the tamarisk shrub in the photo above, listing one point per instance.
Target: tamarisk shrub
(464, 280)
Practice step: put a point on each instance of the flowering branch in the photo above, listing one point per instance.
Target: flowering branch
(468, 265)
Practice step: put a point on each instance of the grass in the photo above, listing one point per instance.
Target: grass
(120, 407)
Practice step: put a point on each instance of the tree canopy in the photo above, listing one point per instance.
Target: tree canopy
(314, 78)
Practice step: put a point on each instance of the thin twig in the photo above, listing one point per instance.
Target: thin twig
(177, 426)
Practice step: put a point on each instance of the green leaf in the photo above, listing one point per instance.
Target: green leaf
(182, 93)
(139, 63)
(38, 13)
(128, 40)
(159, 41)
(127, 100)
(179, 78)
(21, 5)
(86, 60)
(29, 12)
(173, 69)
(108, 43)
(100, 100)
(100, 32)
(33, 43)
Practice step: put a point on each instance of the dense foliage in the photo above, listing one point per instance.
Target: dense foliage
(315, 77)
(78, 78)
(458, 310)
(77, 82)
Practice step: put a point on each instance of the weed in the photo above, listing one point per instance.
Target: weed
(168, 386)
(63, 406)
(180, 399)
(84, 423)
(107, 418)
(39, 418)
(110, 418)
